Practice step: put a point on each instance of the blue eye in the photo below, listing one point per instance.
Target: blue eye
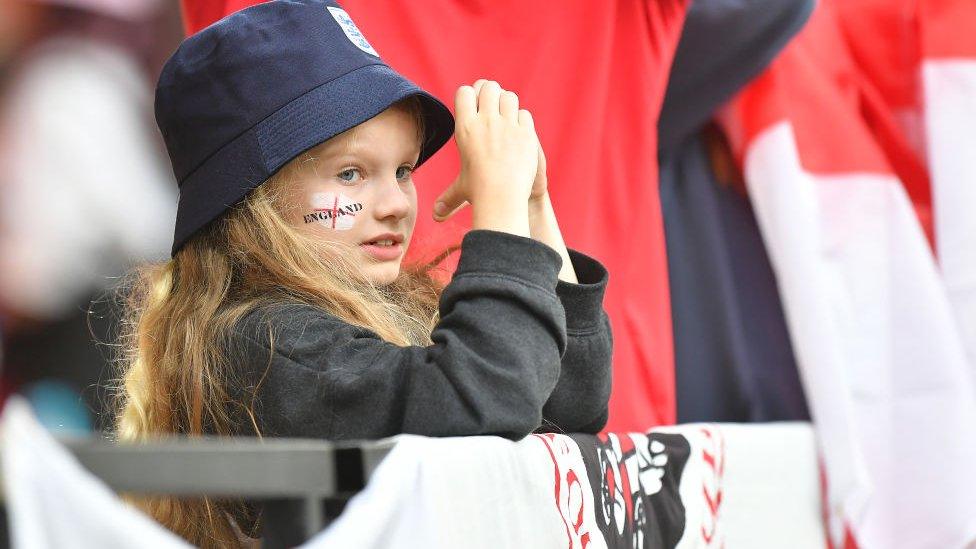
(350, 175)
(403, 173)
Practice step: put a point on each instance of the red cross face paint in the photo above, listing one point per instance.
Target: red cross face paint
(333, 210)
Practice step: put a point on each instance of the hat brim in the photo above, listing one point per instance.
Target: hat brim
(314, 117)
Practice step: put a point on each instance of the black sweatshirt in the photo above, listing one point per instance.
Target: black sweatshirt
(515, 350)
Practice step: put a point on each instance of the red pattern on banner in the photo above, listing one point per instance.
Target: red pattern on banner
(572, 478)
(556, 485)
(713, 454)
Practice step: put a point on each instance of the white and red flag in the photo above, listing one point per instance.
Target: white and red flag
(948, 70)
(838, 180)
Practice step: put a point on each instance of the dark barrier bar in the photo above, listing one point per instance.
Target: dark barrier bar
(307, 470)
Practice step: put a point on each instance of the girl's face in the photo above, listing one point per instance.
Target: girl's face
(357, 189)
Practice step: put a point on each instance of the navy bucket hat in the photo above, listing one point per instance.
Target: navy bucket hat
(242, 97)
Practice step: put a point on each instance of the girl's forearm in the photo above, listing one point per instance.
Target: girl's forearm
(544, 228)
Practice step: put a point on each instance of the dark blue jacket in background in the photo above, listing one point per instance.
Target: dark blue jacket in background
(733, 359)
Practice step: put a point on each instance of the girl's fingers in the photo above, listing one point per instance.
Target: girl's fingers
(508, 105)
(465, 102)
(488, 98)
(448, 202)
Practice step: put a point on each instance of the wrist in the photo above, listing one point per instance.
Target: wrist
(539, 208)
(544, 228)
(510, 218)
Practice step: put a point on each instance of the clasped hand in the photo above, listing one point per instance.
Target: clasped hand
(503, 168)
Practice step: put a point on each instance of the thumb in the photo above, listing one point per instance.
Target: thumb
(449, 202)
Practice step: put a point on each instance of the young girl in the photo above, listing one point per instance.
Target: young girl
(286, 310)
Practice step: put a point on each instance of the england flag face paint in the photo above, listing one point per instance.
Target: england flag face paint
(333, 210)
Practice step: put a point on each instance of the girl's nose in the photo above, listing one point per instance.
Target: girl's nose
(392, 200)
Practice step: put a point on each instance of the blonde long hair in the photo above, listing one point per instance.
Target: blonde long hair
(175, 377)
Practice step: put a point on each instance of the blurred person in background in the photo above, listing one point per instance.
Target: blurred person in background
(734, 360)
(84, 190)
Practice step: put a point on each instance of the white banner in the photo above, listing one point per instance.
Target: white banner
(691, 486)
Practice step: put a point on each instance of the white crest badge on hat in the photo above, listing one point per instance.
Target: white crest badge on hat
(352, 31)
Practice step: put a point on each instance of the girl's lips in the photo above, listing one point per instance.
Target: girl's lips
(383, 253)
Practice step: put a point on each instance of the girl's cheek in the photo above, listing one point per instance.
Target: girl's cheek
(333, 210)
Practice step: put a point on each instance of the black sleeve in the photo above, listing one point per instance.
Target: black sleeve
(494, 361)
(579, 403)
(724, 45)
